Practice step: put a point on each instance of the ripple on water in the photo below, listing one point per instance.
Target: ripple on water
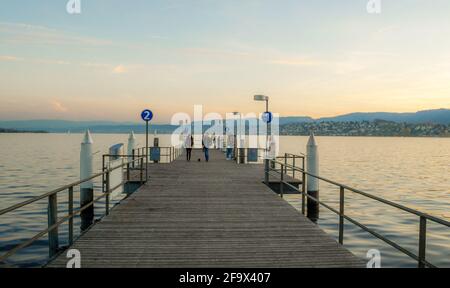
(386, 167)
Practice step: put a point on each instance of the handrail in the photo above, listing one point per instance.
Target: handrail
(421, 258)
(174, 153)
(393, 204)
(70, 216)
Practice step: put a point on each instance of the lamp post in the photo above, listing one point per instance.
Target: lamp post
(266, 161)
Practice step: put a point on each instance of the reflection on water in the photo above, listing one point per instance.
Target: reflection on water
(410, 171)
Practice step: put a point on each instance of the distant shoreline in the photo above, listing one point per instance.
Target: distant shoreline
(14, 131)
(284, 135)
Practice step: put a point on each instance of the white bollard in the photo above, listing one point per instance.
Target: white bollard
(86, 188)
(131, 146)
(312, 166)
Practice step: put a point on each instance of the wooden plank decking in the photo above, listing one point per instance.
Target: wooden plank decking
(216, 214)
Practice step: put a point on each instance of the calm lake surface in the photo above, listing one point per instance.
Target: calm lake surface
(411, 171)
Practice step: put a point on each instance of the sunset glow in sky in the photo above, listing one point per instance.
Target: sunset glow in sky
(313, 57)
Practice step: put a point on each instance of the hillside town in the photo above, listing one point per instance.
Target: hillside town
(366, 128)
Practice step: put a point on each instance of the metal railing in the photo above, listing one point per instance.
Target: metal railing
(424, 218)
(170, 154)
(243, 153)
(135, 162)
(54, 222)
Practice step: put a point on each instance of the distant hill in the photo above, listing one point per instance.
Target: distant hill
(301, 119)
(63, 126)
(54, 125)
(439, 116)
(3, 130)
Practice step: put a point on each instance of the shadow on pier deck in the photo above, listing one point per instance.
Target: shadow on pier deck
(216, 214)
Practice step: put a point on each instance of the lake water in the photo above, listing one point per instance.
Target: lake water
(411, 171)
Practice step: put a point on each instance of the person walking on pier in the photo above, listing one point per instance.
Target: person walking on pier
(230, 146)
(188, 143)
(206, 146)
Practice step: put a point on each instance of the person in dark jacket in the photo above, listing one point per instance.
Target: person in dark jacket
(189, 142)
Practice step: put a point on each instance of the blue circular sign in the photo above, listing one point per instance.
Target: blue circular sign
(147, 115)
(267, 117)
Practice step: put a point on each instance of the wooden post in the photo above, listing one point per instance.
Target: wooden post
(52, 211)
(86, 188)
(313, 183)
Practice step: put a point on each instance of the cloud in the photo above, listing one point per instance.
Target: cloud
(50, 62)
(120, 69)
(10, 58)
(58, 106)
(296, 61)
(21, 33)
(115, 69)
(215, 52)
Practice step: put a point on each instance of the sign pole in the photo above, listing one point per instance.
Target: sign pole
(147, 116)
(146, 151)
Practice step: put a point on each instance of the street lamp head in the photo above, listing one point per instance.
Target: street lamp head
(261, 98)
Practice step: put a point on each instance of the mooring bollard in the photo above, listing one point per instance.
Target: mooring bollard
(130, 147)
(312, 182)
(53, 241)
(86, 188)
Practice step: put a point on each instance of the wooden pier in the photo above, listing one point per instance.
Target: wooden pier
(198, 214)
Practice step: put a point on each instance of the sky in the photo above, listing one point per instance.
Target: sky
(312, 57)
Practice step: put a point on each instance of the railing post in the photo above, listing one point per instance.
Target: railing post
(282, 181)
(141, 164)
(107, 193)
(293, 165)
(422, 242)
(128, 171)
(303, 192)
(133, 153)
(52, 211)
(285, 163)
(71, 216)
(341, 215)
(103, 175)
